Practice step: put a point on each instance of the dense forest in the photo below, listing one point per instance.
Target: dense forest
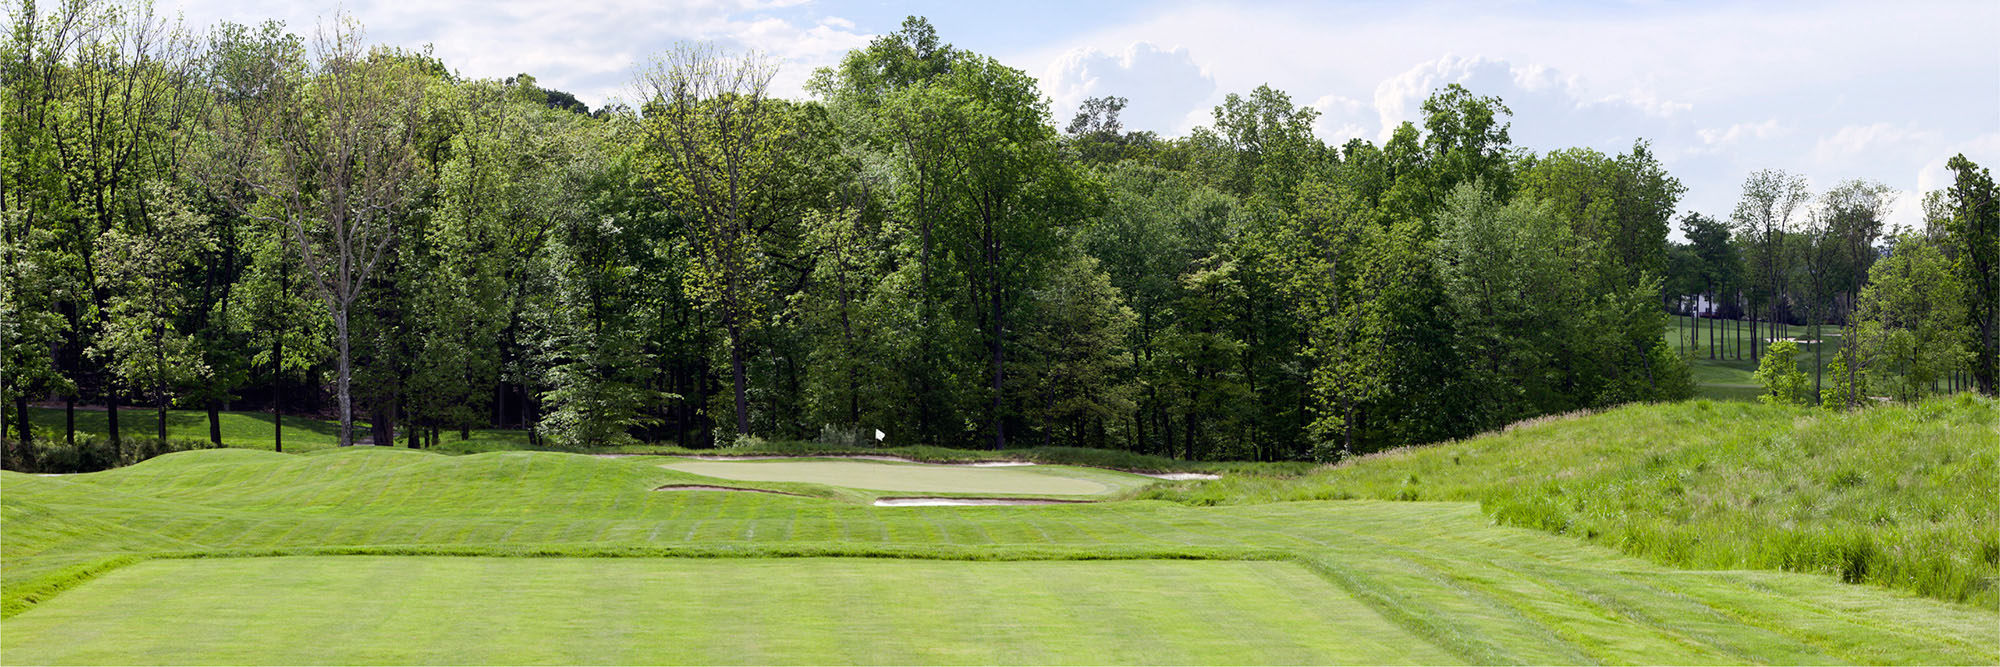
(243, 217)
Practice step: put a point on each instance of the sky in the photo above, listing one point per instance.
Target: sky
(1874, 90)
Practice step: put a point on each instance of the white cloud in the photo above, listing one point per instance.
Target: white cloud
(1339, 119)
(1161, 85)
(1551, 108)
(1860, 140)
(1716, 139)
(587, 48)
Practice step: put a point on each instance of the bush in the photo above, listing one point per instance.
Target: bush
(90, 453)
(1784, 383)
(844, 436)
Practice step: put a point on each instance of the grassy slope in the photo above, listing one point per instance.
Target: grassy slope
(1904, 496)
(1442, 572)
(758, 611)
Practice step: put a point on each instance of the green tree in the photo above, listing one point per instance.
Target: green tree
(105, 88)
(1505, 270)
(279, 318)
(597, 366)
(1719, 266)
(1157, 227)
(1912, 320)
(1779, 373)
(717, 137)
(1075, 375)
(328, 152)
(1970, 236)
(1329, 252)
(848, 348)
(144, 269)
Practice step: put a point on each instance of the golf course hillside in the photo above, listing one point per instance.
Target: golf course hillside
(1602, 538)
(1906, 496)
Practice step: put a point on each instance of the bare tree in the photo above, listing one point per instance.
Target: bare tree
(709, 121)
(324, 150)
(1765, 216)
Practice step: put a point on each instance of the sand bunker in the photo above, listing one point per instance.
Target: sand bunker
(918, 478)
(1179, 476)
(710, 487)
(963, 502)
(853, 457)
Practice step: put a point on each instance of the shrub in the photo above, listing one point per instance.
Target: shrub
(90, 453)
(1784, 383)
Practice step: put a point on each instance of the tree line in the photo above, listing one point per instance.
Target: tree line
(308, 224)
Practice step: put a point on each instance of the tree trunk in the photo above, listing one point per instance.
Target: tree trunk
(69, 420)
(739, 378)
(1753, 333)
(111, 414)
(25, 434)
(278, 394)
(382, 423)
(999, 376)
(160, 405)
(215, 422)
(343, 372)
(531, 418)
(1818, 366)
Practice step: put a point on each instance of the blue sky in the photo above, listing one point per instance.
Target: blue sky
(1833, 90)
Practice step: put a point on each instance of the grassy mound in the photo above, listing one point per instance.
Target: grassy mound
(1902, 496)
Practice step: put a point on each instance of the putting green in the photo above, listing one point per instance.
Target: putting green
(921, 477)
(445, 610)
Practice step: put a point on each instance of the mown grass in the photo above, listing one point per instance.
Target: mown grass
(429, 610)
(1443, 573)
(1900, 496)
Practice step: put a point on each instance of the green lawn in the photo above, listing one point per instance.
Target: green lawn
(1438, 581)
(922, 477)
(431, 610)
(1727, 378)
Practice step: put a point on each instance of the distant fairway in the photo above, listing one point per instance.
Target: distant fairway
(431, 610)
(921, 478)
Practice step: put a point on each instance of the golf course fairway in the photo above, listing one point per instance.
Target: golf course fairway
(386, 556)
(920, 477)
(432, 610)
